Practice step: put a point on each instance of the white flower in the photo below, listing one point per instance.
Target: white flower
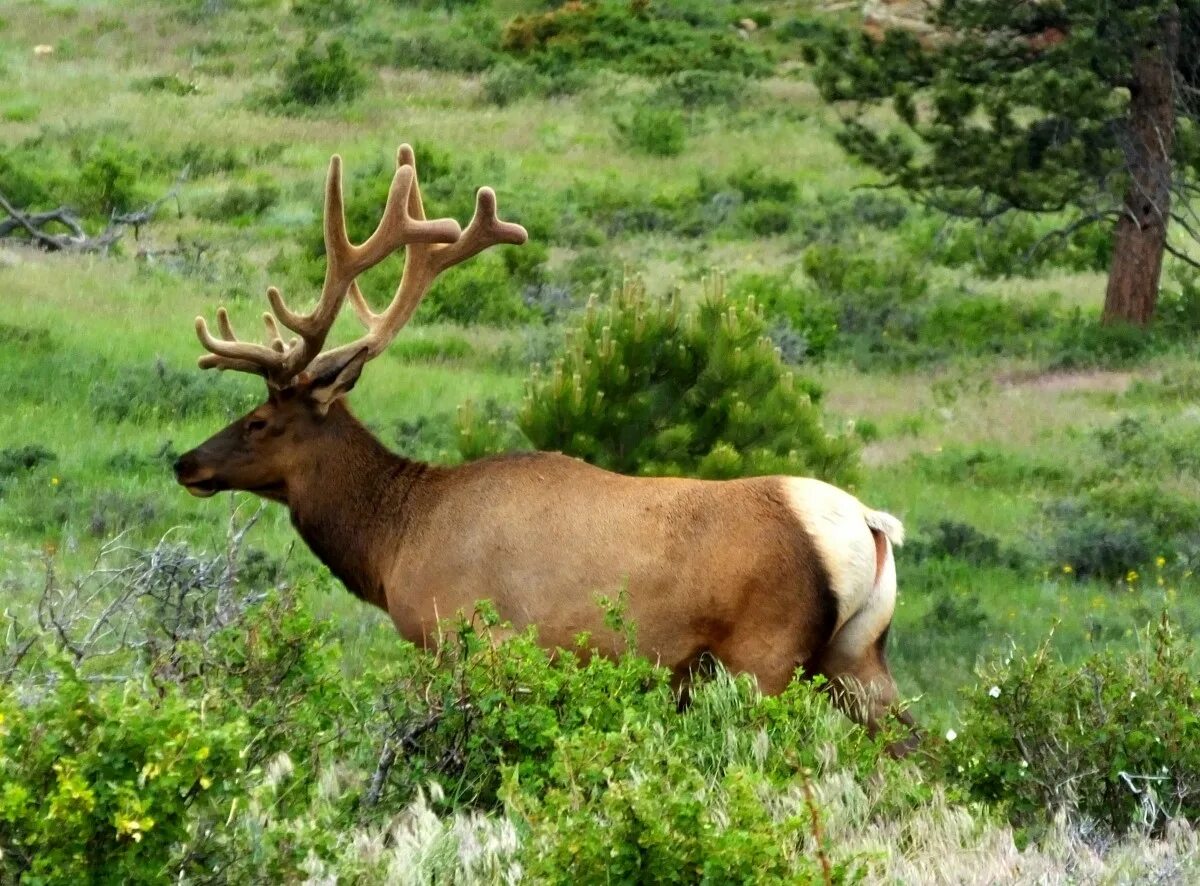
(994, 692)
(951, 735)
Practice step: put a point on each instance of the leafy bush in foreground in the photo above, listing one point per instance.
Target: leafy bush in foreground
(647, 386)
(1115, 740)
(216, 736)
(106, 784)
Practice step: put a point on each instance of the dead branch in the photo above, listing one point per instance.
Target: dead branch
(77, 239)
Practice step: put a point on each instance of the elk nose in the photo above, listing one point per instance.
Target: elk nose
(183, 465)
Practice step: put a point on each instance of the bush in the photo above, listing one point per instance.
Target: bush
(156, 392)
(645, 386)
(507, 83)
(637, 39)
(480, 291)
(108, 182)
(314, 78)
(18, 459)
(242, 202)
(1115, 740)
(700, 89)
(654, 130)
(806, 313)
(105, 785)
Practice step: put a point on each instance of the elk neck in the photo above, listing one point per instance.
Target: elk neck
(350, 501)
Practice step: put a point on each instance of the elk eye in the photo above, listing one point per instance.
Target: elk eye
(256, 424)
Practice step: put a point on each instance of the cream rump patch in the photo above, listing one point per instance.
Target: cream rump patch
(840, 527)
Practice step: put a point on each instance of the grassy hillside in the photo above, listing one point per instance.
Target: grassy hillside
(1045, 469)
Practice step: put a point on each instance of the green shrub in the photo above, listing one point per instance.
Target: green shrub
(109, 182)
(169, 83)
(767, 218)
(652, 129)
(701, 89)
(807, 314)
(1021, 245)
(242, 202)
(951, 538)
(1115, 739)
(480, 291)
(637, 39)
(466, 47)
(507, 83)
(150, 393)
(314, 78)
(18, 459)
(103, 785)
(645, 386)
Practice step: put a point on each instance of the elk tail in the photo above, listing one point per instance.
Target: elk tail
(892, 528)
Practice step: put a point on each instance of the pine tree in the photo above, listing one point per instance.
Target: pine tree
(647, 386)
(1078, 107)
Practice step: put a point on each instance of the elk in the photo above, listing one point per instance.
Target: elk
(765, 574)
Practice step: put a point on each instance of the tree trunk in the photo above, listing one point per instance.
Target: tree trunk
(1141, 233)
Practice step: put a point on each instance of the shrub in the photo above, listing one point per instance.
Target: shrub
(478, 292)
(17, 459)
(808, 314)
(108, 182)
(507, 83)
(103, 785)
(651, 129)
(155, 392)
(459, 48)
(767, 218)
(1115, 740)
(314, 78)
(242, 202)
(645, 386)
(950, 538)
(700, 89)
(637, 39)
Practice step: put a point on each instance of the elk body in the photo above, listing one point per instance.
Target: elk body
(765, 574)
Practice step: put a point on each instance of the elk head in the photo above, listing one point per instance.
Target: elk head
(289, 431)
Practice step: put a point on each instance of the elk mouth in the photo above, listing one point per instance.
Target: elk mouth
(204, 488)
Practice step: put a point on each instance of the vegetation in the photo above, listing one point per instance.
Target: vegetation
(239, 717)
(1057, 105)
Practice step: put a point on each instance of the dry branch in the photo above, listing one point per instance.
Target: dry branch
(77, 239)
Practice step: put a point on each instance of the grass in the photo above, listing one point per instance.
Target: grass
(107, 315)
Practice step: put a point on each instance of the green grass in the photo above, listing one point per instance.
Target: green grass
(83, 321)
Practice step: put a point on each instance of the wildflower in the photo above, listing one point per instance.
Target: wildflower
(1068, 569)
(205, 782)
(1160, 561)
(54, 481)
(1131, 576)
(994, 692)
(951, 735)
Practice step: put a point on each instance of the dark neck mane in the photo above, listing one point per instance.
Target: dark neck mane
(348, 502)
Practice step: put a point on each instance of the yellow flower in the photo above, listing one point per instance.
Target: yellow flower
(1160, 562)
(1067, 569)
(1131, 576)
(54, 481)
(205, 782)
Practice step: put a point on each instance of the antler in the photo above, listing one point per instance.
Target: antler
(430, 248)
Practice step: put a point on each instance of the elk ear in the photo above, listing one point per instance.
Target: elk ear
(336, 381)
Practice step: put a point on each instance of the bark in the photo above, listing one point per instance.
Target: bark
(1141, 232)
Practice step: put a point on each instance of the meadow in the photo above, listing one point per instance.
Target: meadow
(1044, 466)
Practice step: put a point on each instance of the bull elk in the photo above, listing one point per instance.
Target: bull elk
(764, 574)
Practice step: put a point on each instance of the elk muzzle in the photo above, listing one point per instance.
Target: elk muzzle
(196, 477)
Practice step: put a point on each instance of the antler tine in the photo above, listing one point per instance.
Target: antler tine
(486, 229)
